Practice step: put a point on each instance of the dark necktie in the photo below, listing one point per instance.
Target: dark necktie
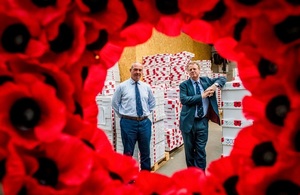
(199, 106)
(139, 108)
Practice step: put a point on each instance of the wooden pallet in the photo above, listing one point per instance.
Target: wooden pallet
(161, 162)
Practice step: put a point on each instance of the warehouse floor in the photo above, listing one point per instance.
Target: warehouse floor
(177, 157)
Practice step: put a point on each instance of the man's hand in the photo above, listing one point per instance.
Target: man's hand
(210, 91)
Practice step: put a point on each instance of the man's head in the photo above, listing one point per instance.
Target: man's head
(193, 68)
(136, 71)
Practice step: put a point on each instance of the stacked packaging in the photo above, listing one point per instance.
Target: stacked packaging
(106, 116)
(233, 119)
(218, 91)
(158, 117)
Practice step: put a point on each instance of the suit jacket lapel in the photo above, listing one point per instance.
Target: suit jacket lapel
(191, 87)
(204, 83)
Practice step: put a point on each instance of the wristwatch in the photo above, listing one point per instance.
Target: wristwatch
(217, 84)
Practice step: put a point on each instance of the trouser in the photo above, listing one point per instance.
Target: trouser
(133, 131)
(195, 143)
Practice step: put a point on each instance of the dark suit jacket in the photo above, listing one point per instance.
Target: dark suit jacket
(189, 100)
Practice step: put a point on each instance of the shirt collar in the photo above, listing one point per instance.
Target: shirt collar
(133, 81)
(195, 81)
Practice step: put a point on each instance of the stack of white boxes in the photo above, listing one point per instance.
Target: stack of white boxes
(233, 118)
(105, 119)
(106, 116)
(173, 137)
(158, 130)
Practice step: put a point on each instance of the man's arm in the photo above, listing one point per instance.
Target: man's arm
(116, 100)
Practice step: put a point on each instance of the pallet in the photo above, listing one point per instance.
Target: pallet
(161, 162)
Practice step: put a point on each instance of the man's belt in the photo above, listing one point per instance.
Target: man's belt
(135, 118)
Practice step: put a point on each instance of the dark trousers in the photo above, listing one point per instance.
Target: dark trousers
(195, 143)
(133, 131)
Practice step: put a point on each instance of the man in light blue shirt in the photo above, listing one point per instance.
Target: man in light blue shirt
(134, 109)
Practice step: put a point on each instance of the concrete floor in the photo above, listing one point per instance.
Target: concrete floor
(213, 152)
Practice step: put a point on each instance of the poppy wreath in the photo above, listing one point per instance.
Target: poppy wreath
(54, 57)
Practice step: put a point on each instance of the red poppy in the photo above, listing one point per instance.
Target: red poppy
(21, 36)
(28, 115)
(290, 135)
(95, 138)
(119, 167)
(165, 15)
(118, 188)
(110, 54)
(154, 183)
(264, 160)
(220, 22)
(42, 11)
(196, 8)
(275, 40)
(190, 180)
(207, 35)
(254, 69)
(282, 179)
(110, 15)
(12, 168)
(50, 167)
(88, 80)
(254, 8)
(51, 75)
(110, 169)
(66, 41)
(269, 103)
(222, 176)
(135, 34)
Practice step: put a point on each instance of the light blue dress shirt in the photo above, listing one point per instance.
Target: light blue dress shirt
(205, 101)
(124, 103)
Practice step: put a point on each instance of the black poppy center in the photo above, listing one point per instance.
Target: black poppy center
(44, 3)
(25, 114)
(64, 39)
(115, 176)
(5, 78)
(88, 143)
(298, 84)
(2, 169)
(167, 7)
(78, 109)
(265, 68)
(230, 185)
(249, 2)
(288, 30)
(277, 109)
(100, 42)
(216, 13)
(283, 187)
(264, 154)
(47, 173)
(15, 38)
(293, 2)
(84, 73)
(96, 6)
(23, 191)
(132, 13)
(50, 80)
(238, 29)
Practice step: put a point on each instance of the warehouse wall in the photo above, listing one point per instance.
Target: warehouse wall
(161, 44)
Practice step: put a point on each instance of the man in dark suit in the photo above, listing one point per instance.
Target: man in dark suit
(199, 105)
